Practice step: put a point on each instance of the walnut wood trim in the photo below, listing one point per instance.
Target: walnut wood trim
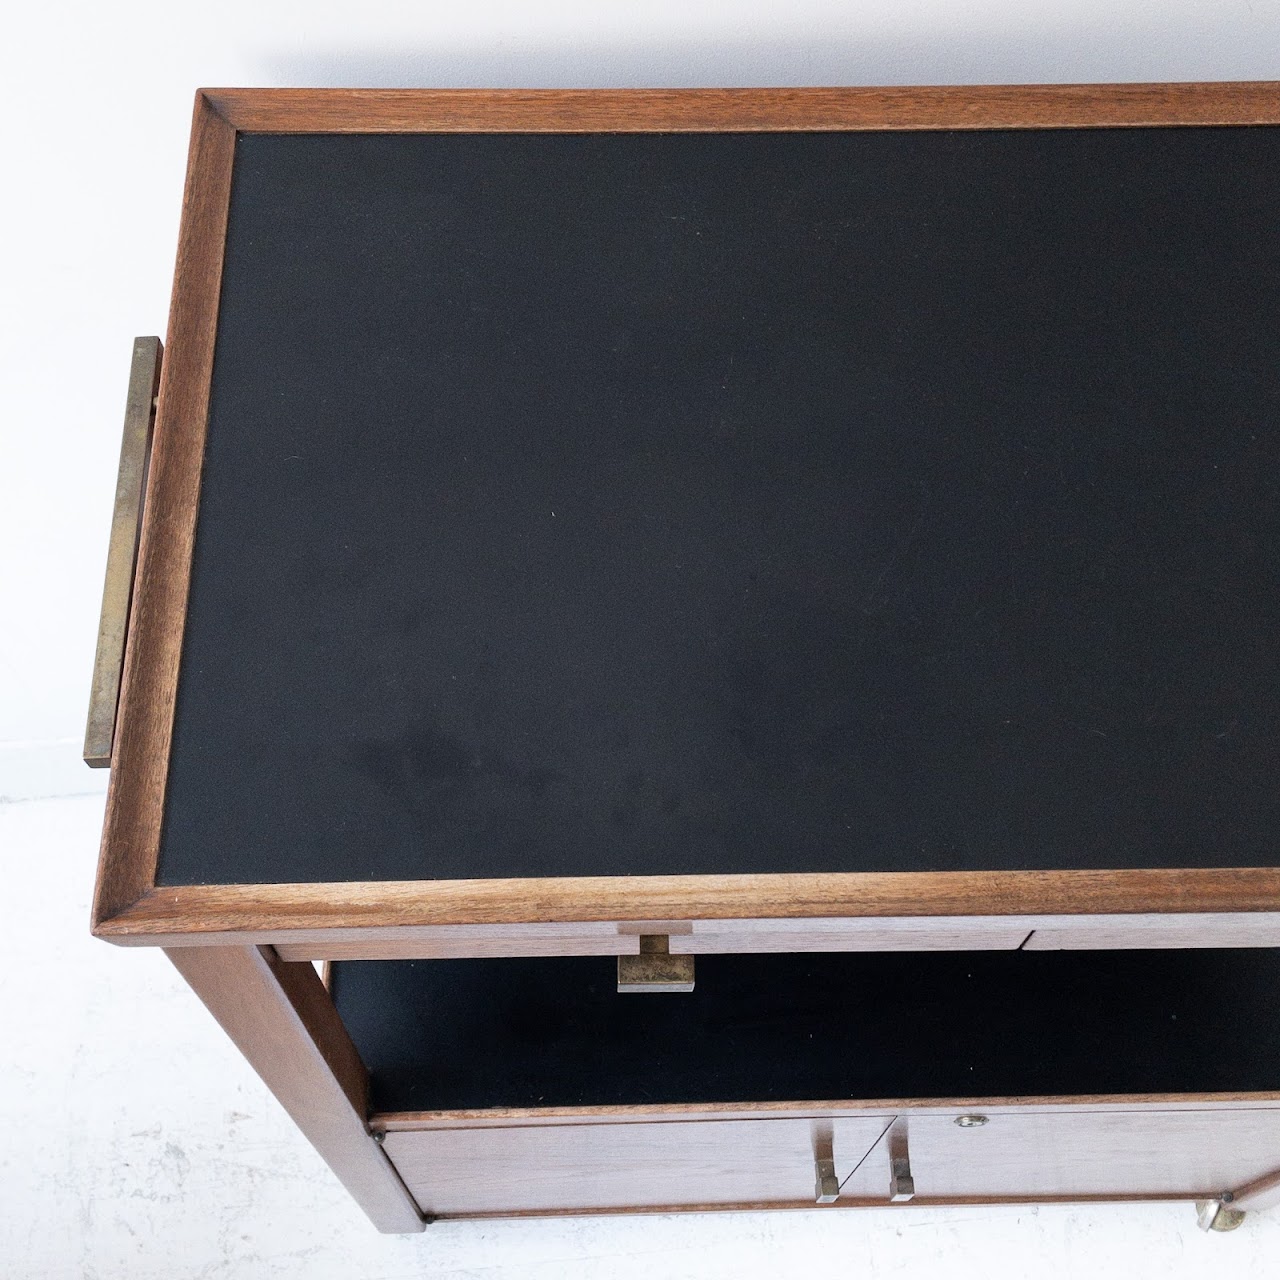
(378, 910)
(672, 1113)
(1118, 933)
(281, 1018)
(866, 933)
(743, 110)
(135, 798)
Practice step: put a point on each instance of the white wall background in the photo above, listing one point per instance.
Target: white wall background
(96, 101)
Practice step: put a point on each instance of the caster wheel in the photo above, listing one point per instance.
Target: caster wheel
(1214, 1215)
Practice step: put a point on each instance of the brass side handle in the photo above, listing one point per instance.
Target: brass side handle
(122, 551)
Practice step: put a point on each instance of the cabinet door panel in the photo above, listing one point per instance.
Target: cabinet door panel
(637, 1165)
(1178, 1154)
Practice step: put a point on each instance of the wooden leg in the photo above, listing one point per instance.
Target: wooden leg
(280, 1017)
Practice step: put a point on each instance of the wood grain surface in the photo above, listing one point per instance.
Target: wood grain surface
(1178, 1155)
(378, 912)
(464, 1171)
(144, 725)
(1118, 1104)
(742, 110)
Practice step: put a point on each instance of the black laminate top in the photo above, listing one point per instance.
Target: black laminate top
(639, 504)
(476, 1034)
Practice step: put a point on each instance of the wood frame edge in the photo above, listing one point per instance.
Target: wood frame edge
(710, 1112)
(744, 109)
(195, 914)
(129, 852)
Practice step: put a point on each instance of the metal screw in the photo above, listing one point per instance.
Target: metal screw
(971, 1122)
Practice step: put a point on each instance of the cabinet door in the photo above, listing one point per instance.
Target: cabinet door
(1046, 1154)
(645, 1164)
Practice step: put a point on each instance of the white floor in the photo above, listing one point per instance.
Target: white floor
(134, 1142)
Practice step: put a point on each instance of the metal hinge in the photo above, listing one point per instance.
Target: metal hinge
(902, 1185)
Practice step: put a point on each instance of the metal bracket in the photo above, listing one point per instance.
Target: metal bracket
(122, 551)
(826, 1188)
(655, 968)
(902, 1186)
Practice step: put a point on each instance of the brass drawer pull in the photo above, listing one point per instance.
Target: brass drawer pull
(655, 968)
(122, 552)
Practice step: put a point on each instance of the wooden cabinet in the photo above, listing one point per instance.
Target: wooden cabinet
(814, 531)
(572, 515)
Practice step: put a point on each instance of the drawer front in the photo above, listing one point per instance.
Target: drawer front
(697, 937)
(1078, 1154)
(614, 1166)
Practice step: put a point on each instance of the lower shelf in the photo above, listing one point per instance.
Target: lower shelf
(1064, 1153)
(531, 1086)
